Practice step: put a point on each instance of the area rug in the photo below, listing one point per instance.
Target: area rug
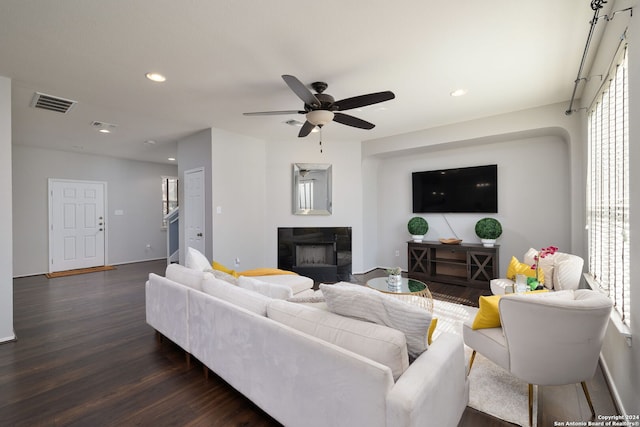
(79, 271)
(492, 390)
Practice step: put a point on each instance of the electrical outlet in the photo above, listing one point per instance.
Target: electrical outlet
(397, 252)
(237, 262)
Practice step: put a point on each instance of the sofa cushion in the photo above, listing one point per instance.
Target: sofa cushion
(244, 298)
(295, 282)
(185, 276)
(376, 342)
(196, 260)
(271, 290)
(374, 306)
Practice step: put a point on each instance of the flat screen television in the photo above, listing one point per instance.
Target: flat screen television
(460, 190)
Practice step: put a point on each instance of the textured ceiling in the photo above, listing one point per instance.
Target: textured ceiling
(223, 58)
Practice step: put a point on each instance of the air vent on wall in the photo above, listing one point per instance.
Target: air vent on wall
(52, 103)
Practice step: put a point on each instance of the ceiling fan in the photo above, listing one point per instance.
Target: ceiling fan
(320, 108)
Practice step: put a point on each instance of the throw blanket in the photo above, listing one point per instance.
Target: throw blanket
(265, 271)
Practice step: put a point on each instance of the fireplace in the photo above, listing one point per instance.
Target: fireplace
(321, 253)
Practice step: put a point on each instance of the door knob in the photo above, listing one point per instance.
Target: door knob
(199, 234)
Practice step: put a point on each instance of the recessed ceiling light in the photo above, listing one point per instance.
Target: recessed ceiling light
(150, 142)
(459, 92)
(171, 159)
(156, 77)
(103, 127)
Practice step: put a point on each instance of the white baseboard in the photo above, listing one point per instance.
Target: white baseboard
(617, 401)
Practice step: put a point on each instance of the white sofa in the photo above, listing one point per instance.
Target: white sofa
(302, 379)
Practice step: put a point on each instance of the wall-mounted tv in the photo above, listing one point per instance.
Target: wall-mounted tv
(469, 190)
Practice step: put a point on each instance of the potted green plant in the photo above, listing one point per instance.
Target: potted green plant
(488, 230)
(417, 227)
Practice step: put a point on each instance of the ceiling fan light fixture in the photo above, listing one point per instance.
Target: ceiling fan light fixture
(319, 117)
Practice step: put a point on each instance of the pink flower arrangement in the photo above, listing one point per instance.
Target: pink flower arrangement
(544, 252)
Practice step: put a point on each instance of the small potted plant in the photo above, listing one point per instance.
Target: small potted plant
(394, 280)
(417, 227)
(488, 230)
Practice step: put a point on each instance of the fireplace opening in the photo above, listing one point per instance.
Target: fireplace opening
(315, 254)
(321, 253)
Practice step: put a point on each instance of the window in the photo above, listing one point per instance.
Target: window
(305, 195)
(608, 189)
(169, 196)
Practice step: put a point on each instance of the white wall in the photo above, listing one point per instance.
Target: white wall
(132, 186)
(533, 207)
(6, 268)
(546, 142)
(239, 200)
(345, 158)
(195, 152)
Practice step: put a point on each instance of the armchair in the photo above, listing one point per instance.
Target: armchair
(546, 339)
(562, 271)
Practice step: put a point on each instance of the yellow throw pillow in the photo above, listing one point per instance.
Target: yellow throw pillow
(432, 327)
(217, 266)
(517, 267)
(488, 315)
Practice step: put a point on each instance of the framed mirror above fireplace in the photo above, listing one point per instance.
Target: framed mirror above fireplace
(312, 189)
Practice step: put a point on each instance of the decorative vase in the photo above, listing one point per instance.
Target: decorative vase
(488, 243)
(417, 237)
(394, 281)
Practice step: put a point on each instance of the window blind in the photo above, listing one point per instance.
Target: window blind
(608, 189)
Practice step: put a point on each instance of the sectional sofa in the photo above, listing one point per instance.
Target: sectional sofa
(303, 365)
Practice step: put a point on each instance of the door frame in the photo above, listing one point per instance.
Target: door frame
(50, 183)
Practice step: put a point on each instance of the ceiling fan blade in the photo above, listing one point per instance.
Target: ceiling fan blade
(307, 127)
(348, 120)
(273, 113)
(301, 90)
(363, 100)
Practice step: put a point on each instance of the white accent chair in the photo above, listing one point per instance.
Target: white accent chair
(562, 271)
(546, 339)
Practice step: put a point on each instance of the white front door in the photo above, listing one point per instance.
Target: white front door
(76, 224)
(194, 209)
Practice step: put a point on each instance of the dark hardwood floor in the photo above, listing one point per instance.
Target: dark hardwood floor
(85, 357)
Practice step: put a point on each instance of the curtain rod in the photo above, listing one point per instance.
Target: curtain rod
(596, 5)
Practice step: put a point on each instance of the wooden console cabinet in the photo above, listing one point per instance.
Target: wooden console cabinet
(466, 264)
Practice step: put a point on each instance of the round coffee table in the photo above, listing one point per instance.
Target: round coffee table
(409, 290)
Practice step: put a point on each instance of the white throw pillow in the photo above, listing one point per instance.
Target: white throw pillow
(368, 304)
(376, 342)
(196, 260)
(271, 290)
